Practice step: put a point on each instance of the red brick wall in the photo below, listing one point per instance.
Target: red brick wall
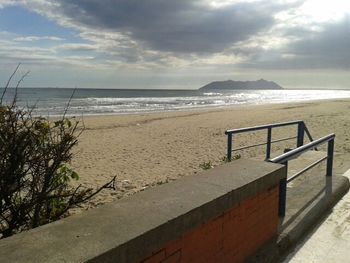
(231, 237)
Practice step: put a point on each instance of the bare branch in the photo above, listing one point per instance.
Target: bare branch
(35, 186)
(68, 104)
(14, 100)
(8, 82)
(109, 185)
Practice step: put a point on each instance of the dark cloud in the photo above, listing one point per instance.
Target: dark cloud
(177, 26)
(328, 48)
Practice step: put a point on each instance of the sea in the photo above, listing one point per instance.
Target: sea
(54, 101)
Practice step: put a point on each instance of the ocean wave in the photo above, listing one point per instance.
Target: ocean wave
(125, 102)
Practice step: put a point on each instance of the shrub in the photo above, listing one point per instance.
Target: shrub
(206, 165)
(35, 179)
(235, 157)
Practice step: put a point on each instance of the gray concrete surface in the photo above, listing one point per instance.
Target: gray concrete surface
(309, 199)
(311, 189)
(330, 240)
(134, 227)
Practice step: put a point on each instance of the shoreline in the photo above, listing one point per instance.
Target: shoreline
(147, 149)
(207, 108)
(194, 109)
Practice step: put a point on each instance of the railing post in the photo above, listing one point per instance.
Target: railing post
(229, 147)
(268, 144)
(300, 138)
(330, 152)
(283, 194)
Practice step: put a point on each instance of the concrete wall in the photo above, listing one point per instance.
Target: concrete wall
(222, 215)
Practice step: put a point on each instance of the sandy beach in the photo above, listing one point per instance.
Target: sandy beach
(149, 149)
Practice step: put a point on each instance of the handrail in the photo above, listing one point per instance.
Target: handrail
(274, 125)
(284, 158)
(291, 154)
(262, 127)
(300, 136)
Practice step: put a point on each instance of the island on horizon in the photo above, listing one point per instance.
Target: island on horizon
(231, 84)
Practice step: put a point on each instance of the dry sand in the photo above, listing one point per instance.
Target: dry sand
(150, 149)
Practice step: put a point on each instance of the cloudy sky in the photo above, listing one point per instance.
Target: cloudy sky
(178, 44)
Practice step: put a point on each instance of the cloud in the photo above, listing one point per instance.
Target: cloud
(326, 46)
(180, 26)
(4, 3)
(128, 30)
(13, 52)
(36, 38)
(77, 47)
(329, 48)
(153, 34)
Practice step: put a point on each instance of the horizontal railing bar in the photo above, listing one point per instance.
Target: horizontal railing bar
(311, 145)
(264, 143)
(255, 128)
(284, 139)
(306, 169)
(249, 146)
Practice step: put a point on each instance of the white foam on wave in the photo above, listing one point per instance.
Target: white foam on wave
(127, 105)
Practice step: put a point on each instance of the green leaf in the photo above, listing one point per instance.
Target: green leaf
(74, 176)
(68, 122)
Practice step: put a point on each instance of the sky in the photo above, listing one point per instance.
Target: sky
(180, 44)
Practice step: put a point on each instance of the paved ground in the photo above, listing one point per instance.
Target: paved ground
(309, 198)
(330, 241)
(307, 187)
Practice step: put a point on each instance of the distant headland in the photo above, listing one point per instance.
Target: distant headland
(231, 84)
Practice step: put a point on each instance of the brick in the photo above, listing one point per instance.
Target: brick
(231, 237)
(175, 257)
(214, 224)
(231, 218)
(173, 246)
(206, 246)
(156, 257)
(251, 211)
(232, 256)
(230, 244)
(218, 257)
(230, 229)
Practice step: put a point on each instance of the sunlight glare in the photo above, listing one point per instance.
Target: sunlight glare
(326, 10)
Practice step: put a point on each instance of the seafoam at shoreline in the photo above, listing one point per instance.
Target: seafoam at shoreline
(52, 102)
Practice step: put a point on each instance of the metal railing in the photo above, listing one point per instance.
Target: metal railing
(292, 154)
(284, 158)
(302, 129)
